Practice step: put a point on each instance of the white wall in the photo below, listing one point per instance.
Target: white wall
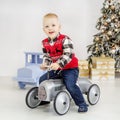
(21, 27)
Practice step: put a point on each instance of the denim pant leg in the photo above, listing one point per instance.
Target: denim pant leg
(70, 77)
(49, 75)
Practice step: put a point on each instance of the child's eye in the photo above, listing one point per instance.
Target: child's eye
(53, 25)
(46, 26)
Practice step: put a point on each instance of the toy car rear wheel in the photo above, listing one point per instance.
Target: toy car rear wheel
(31, 99)
(93, 94)
(62, 103)
(21, 85)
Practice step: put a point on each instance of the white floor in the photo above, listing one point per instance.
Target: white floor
(13, 106)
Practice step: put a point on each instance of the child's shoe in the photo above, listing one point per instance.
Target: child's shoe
(83, 108)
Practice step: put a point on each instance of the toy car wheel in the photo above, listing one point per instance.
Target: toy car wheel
(93, 94)
(62, 103)
(32, 100)
(21, 85)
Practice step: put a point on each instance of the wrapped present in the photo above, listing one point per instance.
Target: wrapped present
(102, 74)
(103, 63)
(84, 73)
(83, 64)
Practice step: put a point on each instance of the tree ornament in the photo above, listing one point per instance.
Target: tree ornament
(119, 13)
(97, 38)
(109, 33)
(96, 48)
(113, 17)
(116, 19)
(105, 23)
(112, 7)
(106, 6)
(104, 16)
(102, 30)
(116, 30)
(114, 49)
(108, 20)
(112, 24)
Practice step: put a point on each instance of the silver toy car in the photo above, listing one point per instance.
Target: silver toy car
(54, 90)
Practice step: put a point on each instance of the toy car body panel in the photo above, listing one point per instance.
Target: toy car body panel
(30, 74)
(84, 84)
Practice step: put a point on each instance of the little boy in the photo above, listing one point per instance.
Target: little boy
(59, 55)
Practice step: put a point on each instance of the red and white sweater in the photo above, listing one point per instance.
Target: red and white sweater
(59, 50)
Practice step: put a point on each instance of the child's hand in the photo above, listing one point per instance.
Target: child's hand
(54, 66)
(43, 66)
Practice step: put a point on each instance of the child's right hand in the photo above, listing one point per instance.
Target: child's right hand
(43, 66)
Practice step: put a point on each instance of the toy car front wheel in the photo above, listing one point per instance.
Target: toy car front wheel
(62, 103)
(32, 100)
(93, 94)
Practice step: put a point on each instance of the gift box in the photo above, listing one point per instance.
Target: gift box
(102, 74)
(83, 64)
(84, 73)
(103, 63)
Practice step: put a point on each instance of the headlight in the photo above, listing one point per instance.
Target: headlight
(42, 94)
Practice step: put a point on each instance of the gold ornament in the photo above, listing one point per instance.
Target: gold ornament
(113, 49)
(112, 7)
(109, 33)
(97, 39)
(104, 16)
(116, 20)
(116, 30)
(102, 30)
(105, 23)
(118, 13)
(96, 45)
(112, 17)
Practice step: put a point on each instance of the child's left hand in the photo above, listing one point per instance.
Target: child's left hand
(54, 66)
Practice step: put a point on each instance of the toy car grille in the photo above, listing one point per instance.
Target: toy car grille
(42, 94)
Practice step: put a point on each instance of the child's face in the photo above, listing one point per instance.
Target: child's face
(51, 27)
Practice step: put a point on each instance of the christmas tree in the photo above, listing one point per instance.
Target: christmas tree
(107, 41)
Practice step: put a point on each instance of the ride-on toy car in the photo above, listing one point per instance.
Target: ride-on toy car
(54, 90)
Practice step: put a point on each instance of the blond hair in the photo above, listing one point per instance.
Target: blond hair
(50, 15)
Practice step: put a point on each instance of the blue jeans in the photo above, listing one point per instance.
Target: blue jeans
(69, 77)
